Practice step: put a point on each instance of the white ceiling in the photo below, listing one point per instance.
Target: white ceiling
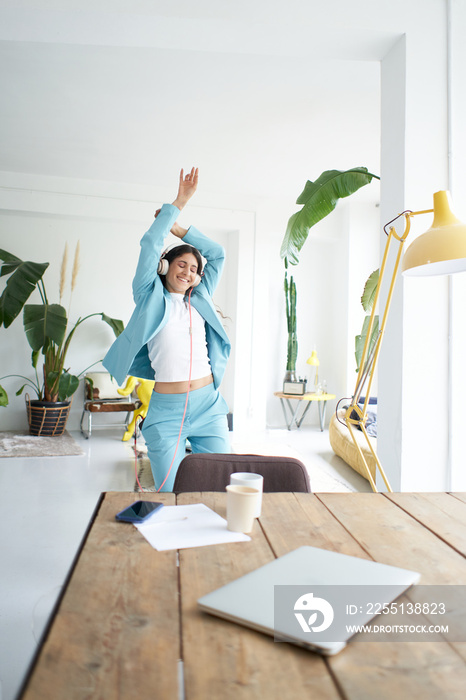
(261, 94)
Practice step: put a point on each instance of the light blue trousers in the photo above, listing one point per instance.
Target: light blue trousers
(205, 425)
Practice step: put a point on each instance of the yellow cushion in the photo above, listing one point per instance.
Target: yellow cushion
(343, 445)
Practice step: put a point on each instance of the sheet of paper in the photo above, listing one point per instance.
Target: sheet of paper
(180, 527)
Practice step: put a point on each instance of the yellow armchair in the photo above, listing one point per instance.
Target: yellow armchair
(144, 389)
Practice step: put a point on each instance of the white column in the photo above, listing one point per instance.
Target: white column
(457, 98)
(414, 392)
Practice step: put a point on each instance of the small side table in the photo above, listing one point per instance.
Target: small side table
(285, 400)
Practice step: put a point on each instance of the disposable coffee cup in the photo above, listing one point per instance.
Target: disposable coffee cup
(241, 506)
(255, 481)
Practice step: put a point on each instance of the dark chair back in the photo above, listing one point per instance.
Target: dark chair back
(211, 472)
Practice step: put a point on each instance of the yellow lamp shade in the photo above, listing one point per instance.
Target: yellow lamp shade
(313, 360)
(442, 249)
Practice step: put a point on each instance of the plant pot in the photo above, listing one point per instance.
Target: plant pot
(47, 418)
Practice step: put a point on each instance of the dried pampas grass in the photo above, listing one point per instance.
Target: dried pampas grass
(75, 271)
(64, 263)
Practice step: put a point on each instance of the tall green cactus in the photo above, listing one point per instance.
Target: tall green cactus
(290, 298)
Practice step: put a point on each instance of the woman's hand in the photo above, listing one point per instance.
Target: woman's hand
(186, 188)
(178, 231)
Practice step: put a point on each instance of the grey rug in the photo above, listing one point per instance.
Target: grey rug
(144, 471)
(21, 444)
(144, 475)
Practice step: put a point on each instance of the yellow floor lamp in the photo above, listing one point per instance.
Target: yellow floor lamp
(439, 251)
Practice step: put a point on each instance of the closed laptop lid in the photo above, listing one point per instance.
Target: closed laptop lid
(251, 599)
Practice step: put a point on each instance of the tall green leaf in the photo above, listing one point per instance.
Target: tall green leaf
(370, 290)
(3, 397)
(361, 339)
(367, 301)
(67, 385)
(35, 358)
(19, 287)
(319, 198)
(115, 324)
(44, 322)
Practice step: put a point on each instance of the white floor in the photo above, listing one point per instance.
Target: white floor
(46, 505)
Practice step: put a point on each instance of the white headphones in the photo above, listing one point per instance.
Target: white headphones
(163, 265)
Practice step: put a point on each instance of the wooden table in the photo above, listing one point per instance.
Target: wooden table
(286, 399)
(128, 613)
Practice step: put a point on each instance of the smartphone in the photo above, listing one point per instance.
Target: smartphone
(138, 511)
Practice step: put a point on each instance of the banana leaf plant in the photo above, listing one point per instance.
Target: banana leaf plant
(45, 326)
(319, 199)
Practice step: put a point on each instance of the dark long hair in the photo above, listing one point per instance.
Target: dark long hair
(179, 250)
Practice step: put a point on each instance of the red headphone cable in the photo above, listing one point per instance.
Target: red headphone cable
(189, 387)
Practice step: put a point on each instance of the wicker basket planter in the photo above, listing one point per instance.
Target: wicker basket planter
(46, 418)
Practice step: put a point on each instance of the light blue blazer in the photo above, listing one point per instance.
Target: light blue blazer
(128, 355)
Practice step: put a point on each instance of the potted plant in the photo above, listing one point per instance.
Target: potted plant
(48, 334)
(319, 199)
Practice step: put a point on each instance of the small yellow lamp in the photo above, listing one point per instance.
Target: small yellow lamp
(313, 360)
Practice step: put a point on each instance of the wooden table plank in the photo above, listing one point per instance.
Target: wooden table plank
(445, 515)
(398, 669)
(125, 627)
(391, 536)
(223, 660)
(388, 670)
(441, 513)
(291, 520)
(459, 496)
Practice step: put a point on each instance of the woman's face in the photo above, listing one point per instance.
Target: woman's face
(181, 273)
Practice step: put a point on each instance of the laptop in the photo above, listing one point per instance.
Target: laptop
(295, 597)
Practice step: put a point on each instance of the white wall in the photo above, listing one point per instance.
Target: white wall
(393, 69)
(338, 256)
(363, 259)
(457, 177)
(418, 436)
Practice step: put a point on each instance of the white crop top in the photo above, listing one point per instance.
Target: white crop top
(169, 350)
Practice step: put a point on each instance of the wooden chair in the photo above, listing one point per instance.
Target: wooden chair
(211, 472)
(101, 397)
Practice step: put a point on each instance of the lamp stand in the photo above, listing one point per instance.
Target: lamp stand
(355, 416)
